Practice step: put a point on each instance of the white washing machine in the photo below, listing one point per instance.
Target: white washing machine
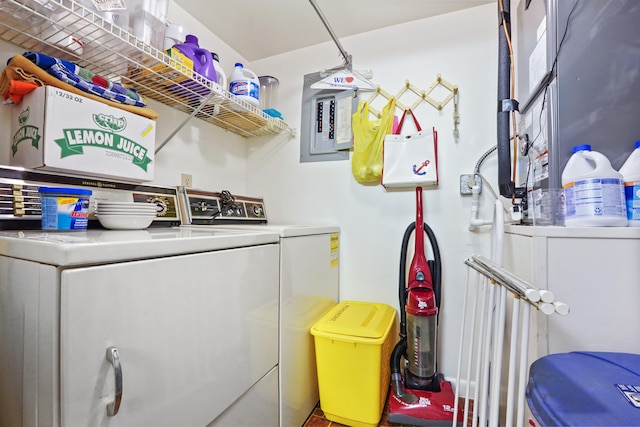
(166, 326)
(139, 327)
(309, 287)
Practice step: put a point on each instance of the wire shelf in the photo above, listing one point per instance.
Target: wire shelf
(54, 27)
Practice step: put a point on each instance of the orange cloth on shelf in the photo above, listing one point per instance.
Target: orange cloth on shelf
(18, 89)
(20, 68)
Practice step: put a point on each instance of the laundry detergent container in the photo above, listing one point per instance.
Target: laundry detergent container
(353, 344)
(585, 389)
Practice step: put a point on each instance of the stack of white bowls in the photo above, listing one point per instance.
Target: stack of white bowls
(125, 215)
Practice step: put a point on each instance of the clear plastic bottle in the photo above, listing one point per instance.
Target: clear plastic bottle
(630, 171)
(244, 84)
(594, 190)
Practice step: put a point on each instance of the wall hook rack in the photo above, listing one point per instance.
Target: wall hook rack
(422, 96)
(453, 90)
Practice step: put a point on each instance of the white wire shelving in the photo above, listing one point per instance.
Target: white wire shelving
(48, 26)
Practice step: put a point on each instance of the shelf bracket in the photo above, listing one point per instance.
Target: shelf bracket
(184, 122)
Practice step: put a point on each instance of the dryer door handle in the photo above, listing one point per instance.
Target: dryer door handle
(114, 358)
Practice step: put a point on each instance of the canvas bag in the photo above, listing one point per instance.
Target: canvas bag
(410, 160)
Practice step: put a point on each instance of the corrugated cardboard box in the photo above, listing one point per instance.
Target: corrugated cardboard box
(56, 130)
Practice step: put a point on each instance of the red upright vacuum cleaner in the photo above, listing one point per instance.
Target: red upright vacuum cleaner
(419, 394)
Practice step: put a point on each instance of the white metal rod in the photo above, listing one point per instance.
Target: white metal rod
(497, 257)
(490, 309)
(471, 348)
(343, 52)
(524, 366)
(479, 360)
(184, 122)
(510, 279)
(497, 357)
(561, 308)
(488, 272)
(513, 356)
(544, 307)
(460, 352)
(546, 296)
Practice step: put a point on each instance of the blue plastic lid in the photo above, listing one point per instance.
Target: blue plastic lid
(637, 144)
(239, 64)
(64, 190)
(585, 389)
(272, 112)
(583, 147)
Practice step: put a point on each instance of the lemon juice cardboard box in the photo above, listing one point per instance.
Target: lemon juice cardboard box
(56, 130)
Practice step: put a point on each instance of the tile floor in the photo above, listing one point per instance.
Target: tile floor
(317, 419)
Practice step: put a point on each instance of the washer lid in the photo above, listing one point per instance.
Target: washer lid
(285, 230)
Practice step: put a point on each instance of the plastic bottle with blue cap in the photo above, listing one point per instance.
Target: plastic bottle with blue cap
(630, 171)
(245, 85)
(594, 190)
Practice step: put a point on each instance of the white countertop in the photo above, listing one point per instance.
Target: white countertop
(577, 232)
(74, 248)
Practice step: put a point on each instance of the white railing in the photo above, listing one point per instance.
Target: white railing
(485, 343)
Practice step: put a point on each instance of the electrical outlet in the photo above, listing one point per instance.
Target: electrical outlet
(187, 180)
(467, 181)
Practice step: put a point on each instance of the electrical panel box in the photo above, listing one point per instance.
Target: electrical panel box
(332, 120)
(326, 122)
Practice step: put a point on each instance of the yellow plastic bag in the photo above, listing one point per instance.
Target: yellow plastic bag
(368, 138)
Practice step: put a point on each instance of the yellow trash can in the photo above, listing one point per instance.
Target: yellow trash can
(353, 344)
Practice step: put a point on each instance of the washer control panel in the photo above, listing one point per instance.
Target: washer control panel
(20, 200)
(199, 207)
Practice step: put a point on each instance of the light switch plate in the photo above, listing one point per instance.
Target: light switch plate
(187, 180)
(467, 181)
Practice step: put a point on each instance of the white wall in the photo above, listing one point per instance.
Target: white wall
(462, 48)
(215, 158)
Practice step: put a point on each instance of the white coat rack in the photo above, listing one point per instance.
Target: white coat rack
(423, 96)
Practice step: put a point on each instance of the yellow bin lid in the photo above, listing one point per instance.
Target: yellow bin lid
(355, 319)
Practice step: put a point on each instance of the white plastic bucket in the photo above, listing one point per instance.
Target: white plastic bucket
(64, 208)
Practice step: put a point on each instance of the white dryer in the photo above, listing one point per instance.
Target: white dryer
(309, 287)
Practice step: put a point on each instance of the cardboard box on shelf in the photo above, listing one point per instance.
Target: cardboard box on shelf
(56, 130)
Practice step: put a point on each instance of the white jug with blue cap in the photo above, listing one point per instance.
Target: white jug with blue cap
(244, 85)
(594, 190)
(630, 171)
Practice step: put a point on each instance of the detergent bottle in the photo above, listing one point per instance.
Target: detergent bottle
(594, 191)
(221, 79)
(202, 60)
(630, 171)
(244, 84)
